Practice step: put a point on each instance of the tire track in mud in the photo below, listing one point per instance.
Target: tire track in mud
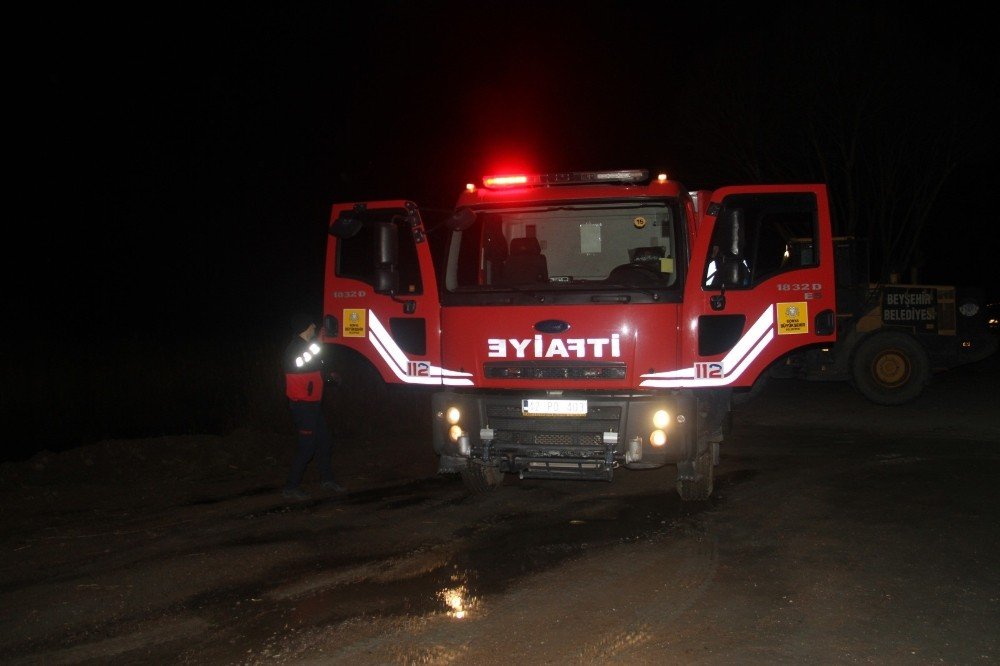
(150, 634)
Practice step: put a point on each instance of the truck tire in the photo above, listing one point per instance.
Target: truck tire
(479, 479)
(699, 488)
(890, 368)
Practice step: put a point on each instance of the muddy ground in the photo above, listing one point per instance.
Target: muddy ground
(840, 532)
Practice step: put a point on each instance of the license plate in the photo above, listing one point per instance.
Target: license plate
(542, 407)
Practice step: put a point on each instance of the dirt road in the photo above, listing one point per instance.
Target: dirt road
(840, 532)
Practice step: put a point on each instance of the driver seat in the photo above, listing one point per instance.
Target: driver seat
(525, 264)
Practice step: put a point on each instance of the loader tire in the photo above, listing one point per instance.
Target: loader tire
(890, 368)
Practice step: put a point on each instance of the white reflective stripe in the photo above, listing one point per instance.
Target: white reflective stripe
(759, 329)
(397, 361)
(763, 327)
(734, 364)
(389, 361)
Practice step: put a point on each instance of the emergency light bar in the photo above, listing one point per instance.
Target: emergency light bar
(506, 181)
(568, 178)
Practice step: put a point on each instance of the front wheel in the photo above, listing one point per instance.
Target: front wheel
(479, 478)
(701, 486)
(890, 368)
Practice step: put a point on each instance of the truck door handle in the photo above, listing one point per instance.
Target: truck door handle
(409, 306)
(718, 302)
(826, 322)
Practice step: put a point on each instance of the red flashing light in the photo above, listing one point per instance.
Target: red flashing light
(627, 176)
(505, 181)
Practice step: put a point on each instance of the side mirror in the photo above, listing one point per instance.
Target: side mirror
(387, 248)
(734, 232)
(386, 280)
(348, 223)
(386, 256)
(733, 270)
(461, 219)
(345, 226)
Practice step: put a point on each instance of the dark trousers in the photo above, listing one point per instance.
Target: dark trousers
(313, 442)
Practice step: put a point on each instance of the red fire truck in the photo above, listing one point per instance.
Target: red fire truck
(575, 323)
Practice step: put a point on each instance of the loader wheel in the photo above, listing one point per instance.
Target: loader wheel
(890, 368)
(479, 479)
(699, 488)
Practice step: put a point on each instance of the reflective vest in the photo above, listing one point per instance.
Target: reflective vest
(303, 371)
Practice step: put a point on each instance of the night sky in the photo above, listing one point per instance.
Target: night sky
(176, 163)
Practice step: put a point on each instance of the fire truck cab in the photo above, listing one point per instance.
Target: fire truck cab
(576, 323)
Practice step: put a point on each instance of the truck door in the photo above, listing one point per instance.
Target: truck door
(380, 291)
(766, 284)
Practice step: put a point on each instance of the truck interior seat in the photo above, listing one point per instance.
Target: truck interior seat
(526, 264)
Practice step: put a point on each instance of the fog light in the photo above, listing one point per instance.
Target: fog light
(657, 438)
(661, 419)
(454, 433)
(453, 415)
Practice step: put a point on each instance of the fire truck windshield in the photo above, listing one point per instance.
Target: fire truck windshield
(568, 247)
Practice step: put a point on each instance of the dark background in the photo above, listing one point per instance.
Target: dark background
(174, 164)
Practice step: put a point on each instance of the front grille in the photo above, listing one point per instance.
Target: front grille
(548, 370)
(514, 430)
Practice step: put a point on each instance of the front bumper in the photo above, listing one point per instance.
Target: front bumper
(615, 431)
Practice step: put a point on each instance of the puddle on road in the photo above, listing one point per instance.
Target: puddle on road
(499, 551)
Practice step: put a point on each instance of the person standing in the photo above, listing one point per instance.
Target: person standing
(303, 368)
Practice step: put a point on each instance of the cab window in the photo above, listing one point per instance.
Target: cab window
(759, 236)
(356, 255)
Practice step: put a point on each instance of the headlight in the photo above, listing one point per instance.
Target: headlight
(454, 433)
(657, 438)
(453, 415)
(661, 419)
